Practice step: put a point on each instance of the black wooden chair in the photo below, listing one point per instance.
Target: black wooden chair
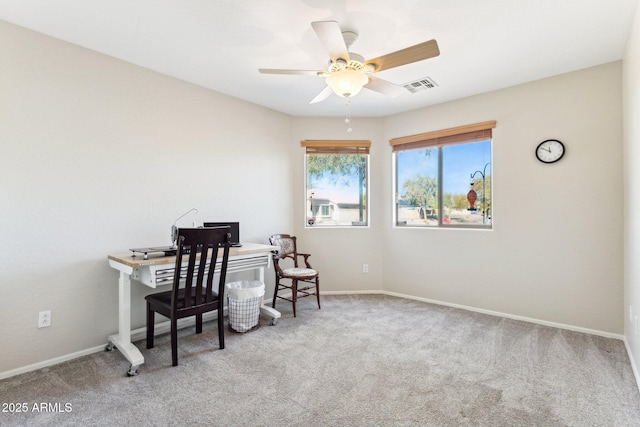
(293, 270)
(200, 247)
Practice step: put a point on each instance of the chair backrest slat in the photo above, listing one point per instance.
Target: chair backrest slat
(200, 245)
(209, 278)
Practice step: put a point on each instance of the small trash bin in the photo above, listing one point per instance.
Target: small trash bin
(244, 300)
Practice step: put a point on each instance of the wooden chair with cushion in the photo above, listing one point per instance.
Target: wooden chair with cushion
(199, 293)
(287, 268)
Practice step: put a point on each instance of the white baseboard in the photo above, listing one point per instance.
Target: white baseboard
(136, 334)
(480, 310)
(634, 368)
(51, 362)
(140, 333)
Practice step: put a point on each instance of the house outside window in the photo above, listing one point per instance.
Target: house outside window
(336, 183)
(325, 211)
(443, 178)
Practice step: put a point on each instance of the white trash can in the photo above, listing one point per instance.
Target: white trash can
(244, 299)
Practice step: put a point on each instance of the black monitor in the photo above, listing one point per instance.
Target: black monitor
(235, 230)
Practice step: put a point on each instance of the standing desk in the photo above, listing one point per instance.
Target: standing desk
(158, 270)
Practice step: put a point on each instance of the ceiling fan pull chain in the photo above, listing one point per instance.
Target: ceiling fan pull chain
(348, 119)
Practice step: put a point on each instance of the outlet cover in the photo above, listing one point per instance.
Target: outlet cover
(44, 319)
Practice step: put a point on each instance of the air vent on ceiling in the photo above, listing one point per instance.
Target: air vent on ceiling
(420, 85)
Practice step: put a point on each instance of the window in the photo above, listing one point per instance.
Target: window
(337, 177)
(443, 178)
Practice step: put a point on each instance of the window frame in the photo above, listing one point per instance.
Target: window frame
(439, 139)
(344, 147)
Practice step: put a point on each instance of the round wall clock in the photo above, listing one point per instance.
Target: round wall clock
(550, 151)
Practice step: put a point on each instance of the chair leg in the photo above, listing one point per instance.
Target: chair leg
(198, 323)
(174, 342)
(221, 326)
(318, 291)
(294, 294)
(275, 293)
(150, 325)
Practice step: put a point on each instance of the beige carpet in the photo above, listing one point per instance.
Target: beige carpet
(360, 361)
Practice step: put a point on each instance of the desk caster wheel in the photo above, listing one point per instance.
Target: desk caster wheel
(133, 371)
(273, 322)
(110, 347)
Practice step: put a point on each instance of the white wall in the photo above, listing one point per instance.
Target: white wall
(98, 156)
(95, 154)
(631, 73)
(555, 251)
(339, 253)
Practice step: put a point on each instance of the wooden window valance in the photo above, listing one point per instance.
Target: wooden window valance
(457, 135)
(336, 147)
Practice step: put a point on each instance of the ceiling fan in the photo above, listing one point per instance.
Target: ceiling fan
(349, 72)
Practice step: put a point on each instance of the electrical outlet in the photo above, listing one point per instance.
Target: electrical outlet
(44, 319)
(365, 268)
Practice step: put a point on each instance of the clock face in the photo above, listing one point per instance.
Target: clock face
(550, 151)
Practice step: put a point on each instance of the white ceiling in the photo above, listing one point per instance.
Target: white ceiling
(220, 44)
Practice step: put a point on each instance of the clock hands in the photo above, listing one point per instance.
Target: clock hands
(554, 151)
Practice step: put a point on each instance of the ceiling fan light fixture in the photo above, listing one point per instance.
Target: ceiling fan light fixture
(347, 82)
(349, 72)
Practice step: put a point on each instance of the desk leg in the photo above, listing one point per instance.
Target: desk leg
(122, 340)
(267, 311)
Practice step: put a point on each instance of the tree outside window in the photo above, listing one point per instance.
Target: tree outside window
(443, 178)
(336, 183)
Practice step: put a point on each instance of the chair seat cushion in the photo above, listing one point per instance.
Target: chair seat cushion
(300, 272)
(164, 298)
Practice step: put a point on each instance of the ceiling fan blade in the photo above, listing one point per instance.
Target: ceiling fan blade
(322, 95)
(384, 87)
(300, 72)
(330, 35)
(419, 52)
